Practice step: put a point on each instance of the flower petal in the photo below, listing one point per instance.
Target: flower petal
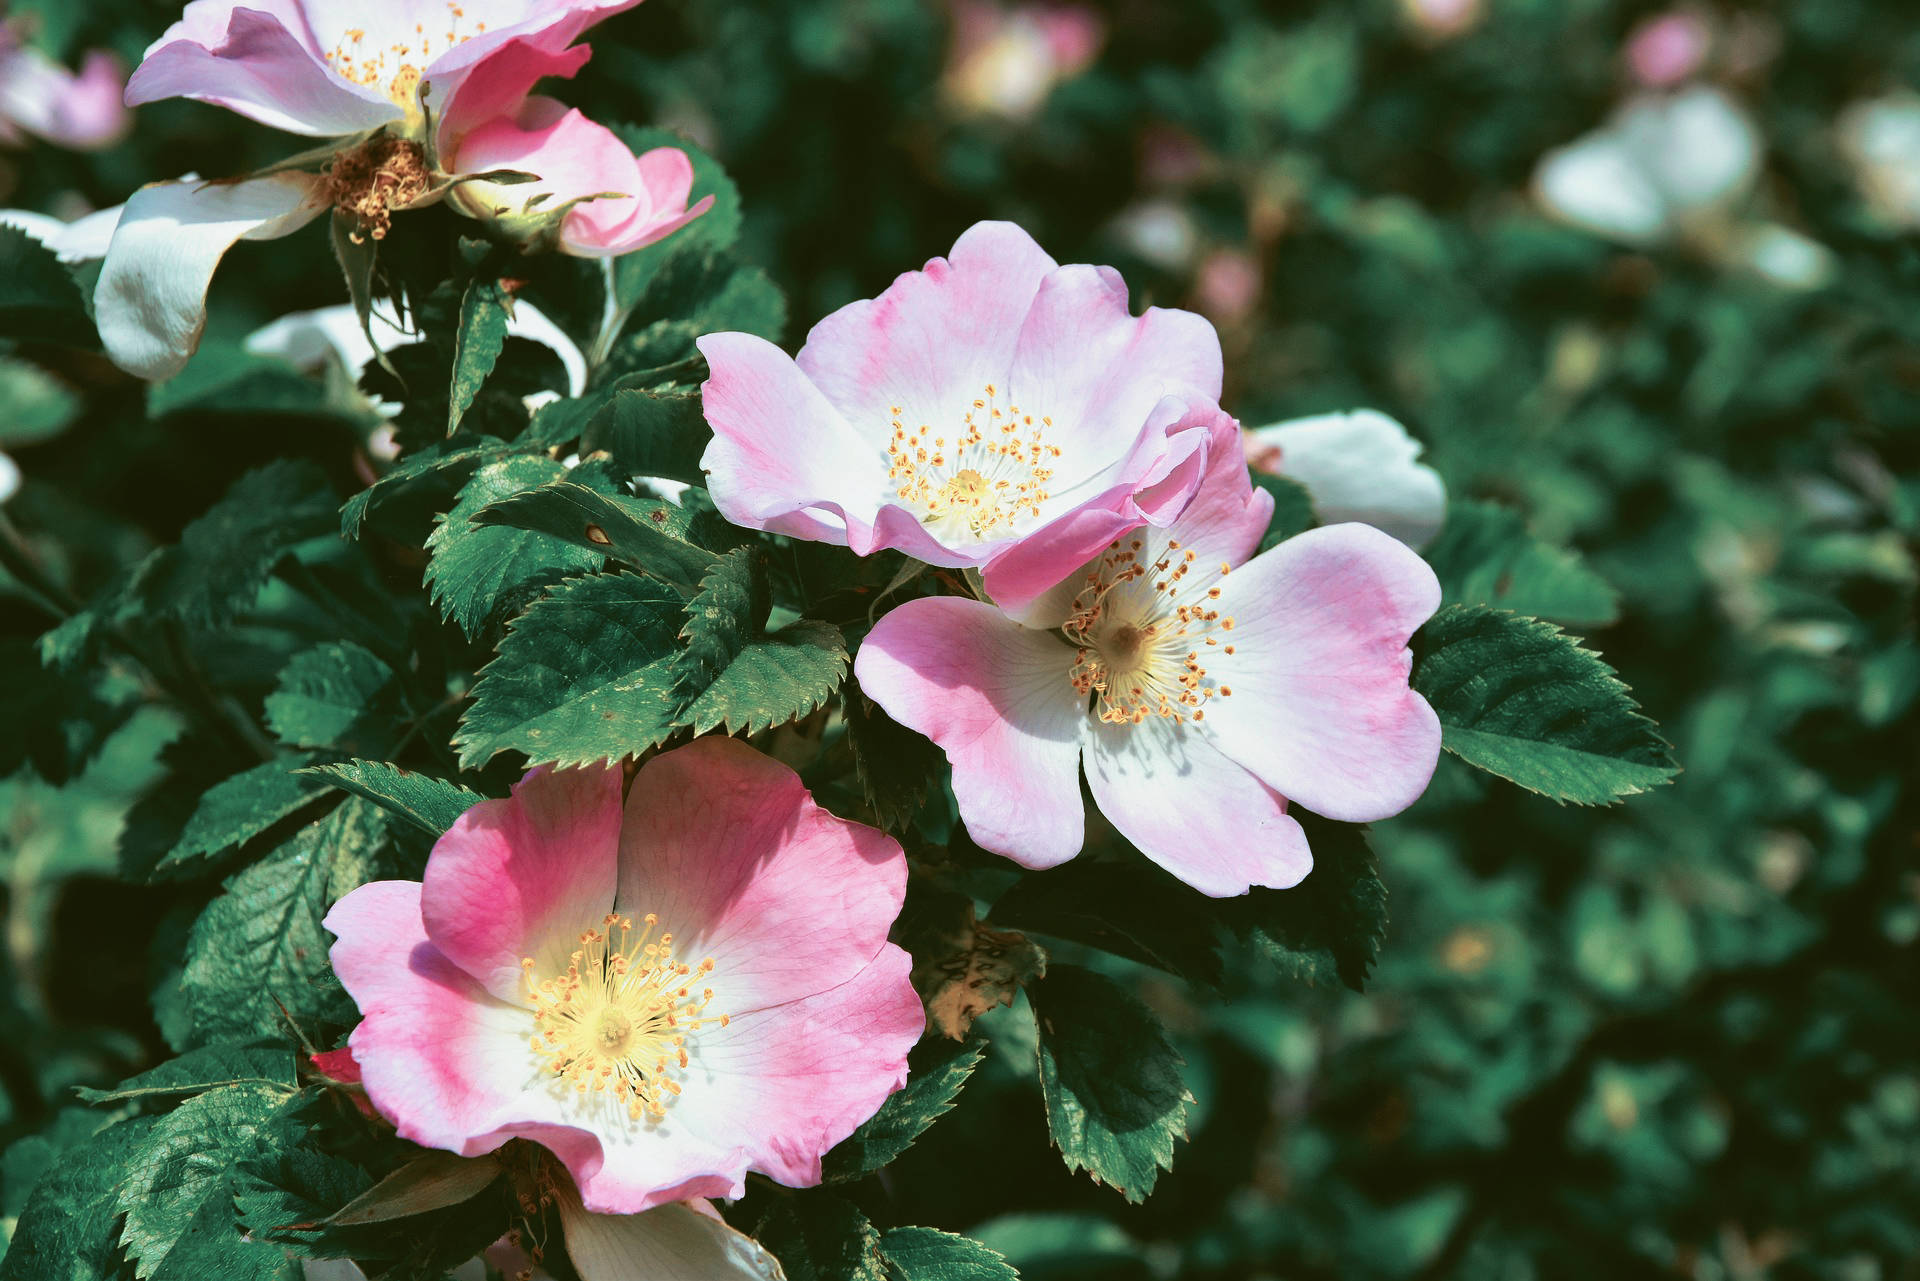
(729, 849)
(1084, 360)
(793, 1080)
(1191, 810)
(440, 1058)
(1320, 709)
(1360, 466)
(933, 341)
(998, 698)
(782, 458)
(255, 57)
(151, 300)
(524, 876)
(675, 1242)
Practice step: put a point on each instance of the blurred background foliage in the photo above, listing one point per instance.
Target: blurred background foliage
(1678, 1037)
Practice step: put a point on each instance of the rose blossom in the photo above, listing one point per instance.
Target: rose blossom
(665, 994)
(1357, 466)
(994, 410)
(1200, 689)
(367, 76)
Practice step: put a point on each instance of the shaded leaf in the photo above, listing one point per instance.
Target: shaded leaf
(651, 433)
(209, 1067)
(1520, 698)
(431, 1181)
(928, 1254)
(337, 695)
(818, 1237)
(242, 807)
(1115, 1101)
(1292, 508)
(896, 766)
(39, 301)
(1140, 913)
(70, 1226)
(481, 333)
(936, 1072)
(628, 529)
(1330, 926)
(430, 804)
(1485, 556)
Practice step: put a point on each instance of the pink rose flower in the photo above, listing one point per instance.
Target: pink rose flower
(38, 96)
(1200, 689)
(1356, 466)
(993, 410)
(367, 75)
(665, 994)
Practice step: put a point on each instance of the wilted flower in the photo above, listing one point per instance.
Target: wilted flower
(1201, 690)
(664, 1000)
(38, 96)
(994, 410)
(1360, 466)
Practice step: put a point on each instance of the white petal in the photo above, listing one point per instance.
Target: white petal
(675, 1242)
(1699, 146)
(9, 478)
(1787, 258)
(1360, 466)
(1598, 183)
(151, 302)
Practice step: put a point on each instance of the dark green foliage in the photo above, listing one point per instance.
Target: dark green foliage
(477, 342)
(242, 808)
(476, 567)
(925, 1254)
(1130, 910)
(1116, 1104)
(896, 765)
(938, 1069)
(1519, 698)
(633, 530)
(39, 301)
(210, 1067)
(338, 696)
(1328, 928)
(1485, 556)
(818, 1237)
(428, 803)
(1292, 508)
(651, 433)
(70, 1226)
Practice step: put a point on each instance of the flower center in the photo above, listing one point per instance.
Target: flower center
(396, 66)
(618, 1019)
(981, 481)
(1143, 631)
(372, 180)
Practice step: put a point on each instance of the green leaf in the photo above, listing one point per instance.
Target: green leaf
(1292, 508)
(430, 474)
(650, 433)
(1330, 926)
(430, 804)
(69, 1228)
(431, 1181)
(732, 674)
(282, 1193)
(818, 1237)
(210, 1067)
(688, 295)
(482, 332)
(1137, 912)
(583, 675)
(937, 1071)
(475, 565)
(628, 529)
(713, 231)
(241, 808)
(1485, 556)
(39, 301)
(896, 766)
(1519, 698)
(34, 405)
(335, 695)
(1110, 1078)
(185, 1166)
(928, 1254)
(259, 948)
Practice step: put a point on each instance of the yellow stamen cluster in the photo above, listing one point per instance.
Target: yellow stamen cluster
(984, 479)
(375, 178)
(1140, 627)
(397, 66)
(617, 1020)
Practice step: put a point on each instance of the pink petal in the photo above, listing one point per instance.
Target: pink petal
(782, 458)
(793, 1080)
(1084, 360)
(151, 299)
(500, 84)
(998, 698)
(439, 1057)
(1320, 709)
(524, 876)
(253, 57)
(1193, 811)
(934, 340)
(727, 847)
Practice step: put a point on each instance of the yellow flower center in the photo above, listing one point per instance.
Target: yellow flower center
(396, 66)
(981, 481)
(617, 1020)
(1143, 633)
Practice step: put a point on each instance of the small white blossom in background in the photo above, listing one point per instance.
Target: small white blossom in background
(1359, 466)
(1006, 59)
(1437, 20)
(1880, 137)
